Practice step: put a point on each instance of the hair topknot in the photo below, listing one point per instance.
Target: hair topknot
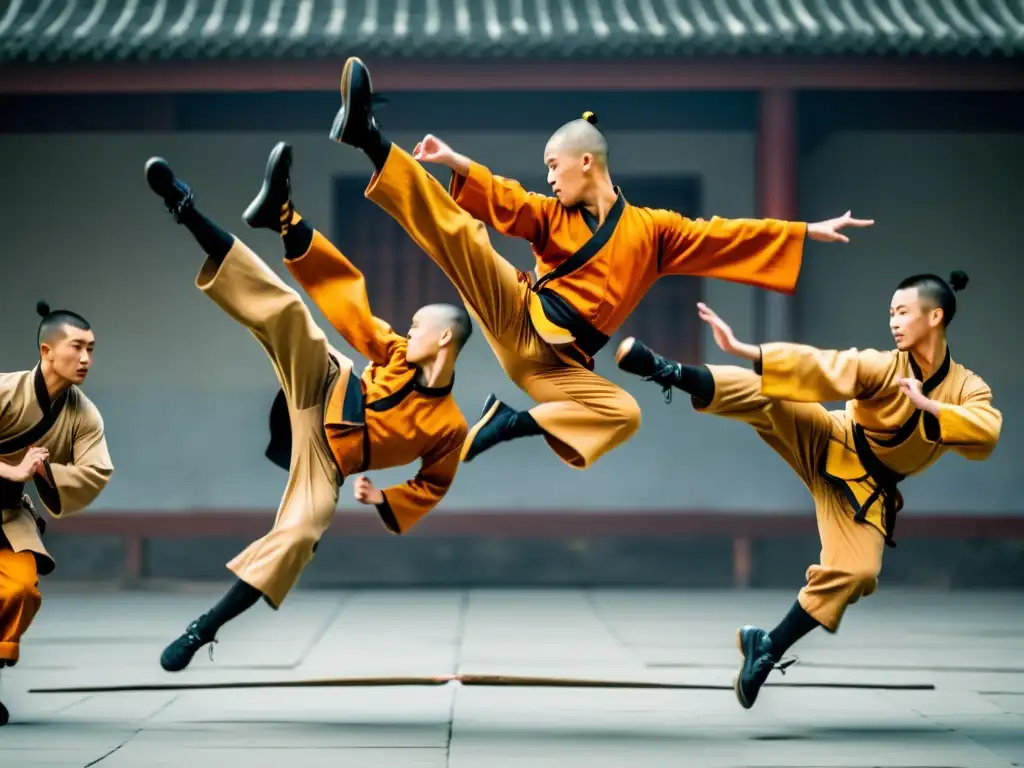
(590, 117)
(958, 280)
(42, 309)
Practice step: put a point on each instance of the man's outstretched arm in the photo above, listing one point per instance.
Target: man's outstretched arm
(496, 201)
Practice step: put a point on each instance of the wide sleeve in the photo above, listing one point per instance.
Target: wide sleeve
(766, 253)
(406, 504)
(502, 203)
(339, 290)
(970, 427)
(805, 374)
(69, 488)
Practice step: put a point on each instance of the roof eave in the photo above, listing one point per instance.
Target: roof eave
(725, 73)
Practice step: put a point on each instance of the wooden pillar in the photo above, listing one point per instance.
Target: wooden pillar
(777, 171)
(774, 313)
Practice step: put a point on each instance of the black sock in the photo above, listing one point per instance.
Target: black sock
(377, 148)
(240, 598)
(211, 238)
(697, 381)
(523, 425)
(793, 626)
(297, 240)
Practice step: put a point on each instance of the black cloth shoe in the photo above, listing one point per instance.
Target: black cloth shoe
(272, 207)
(355, 122)
(176, 194)
(497, 424)
(178, 654)
(633, 356)
(759, 660)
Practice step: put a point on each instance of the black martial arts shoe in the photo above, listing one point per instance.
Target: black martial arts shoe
(497, 424)
(758, 661)
(272, 207)
(176, 194)
(633, 356)
(355, 122)
(179, 654)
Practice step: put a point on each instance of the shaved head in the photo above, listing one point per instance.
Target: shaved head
(576, 157)
(451, 317)
(434, 329)
(578, 137)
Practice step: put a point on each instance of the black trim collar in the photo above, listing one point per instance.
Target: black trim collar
(936, 378)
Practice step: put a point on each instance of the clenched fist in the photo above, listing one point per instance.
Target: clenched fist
(432, 150)
(366, 492)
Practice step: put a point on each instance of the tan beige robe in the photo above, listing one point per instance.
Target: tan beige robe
(79, 465)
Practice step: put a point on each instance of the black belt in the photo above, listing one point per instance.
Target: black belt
(886, 482)
(10, 494)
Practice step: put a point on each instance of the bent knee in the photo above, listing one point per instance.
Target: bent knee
(628, 414)
(864, 578)
(20, 593)
(858, 583)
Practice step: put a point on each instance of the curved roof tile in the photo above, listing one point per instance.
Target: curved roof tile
(136, 30)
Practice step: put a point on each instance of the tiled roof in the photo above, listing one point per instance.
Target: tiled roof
(133, 30)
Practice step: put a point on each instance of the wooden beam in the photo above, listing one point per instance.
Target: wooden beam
(727, 73)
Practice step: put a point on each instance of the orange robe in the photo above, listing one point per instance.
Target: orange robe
(590, 277)
(385, 418)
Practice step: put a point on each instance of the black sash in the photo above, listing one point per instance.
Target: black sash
(564, 315)
(279, 449)
(887, 480)
(10, 494)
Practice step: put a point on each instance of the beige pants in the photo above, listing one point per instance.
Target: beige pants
(252, 294)
(851, 552)
(583, 415)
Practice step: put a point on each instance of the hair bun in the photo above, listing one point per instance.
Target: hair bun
(42, 309)
(590, 117)
(958, 280)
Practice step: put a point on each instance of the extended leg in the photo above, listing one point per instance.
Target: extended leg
(248, 290)
(633, 356)
(490, 287)
(238, 281)
(798, 432)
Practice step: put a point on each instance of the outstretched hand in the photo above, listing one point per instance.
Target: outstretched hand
(828, 231)
(724, 337)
